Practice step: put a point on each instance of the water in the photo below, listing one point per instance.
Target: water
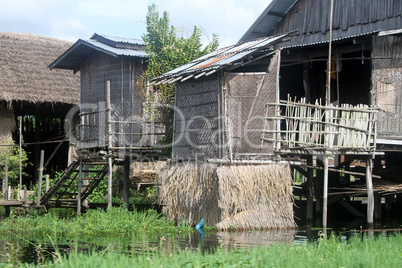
(18, 250)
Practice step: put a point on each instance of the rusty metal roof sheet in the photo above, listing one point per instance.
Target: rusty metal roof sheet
(221, 58)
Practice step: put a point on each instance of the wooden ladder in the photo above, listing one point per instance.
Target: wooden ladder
(64, 192)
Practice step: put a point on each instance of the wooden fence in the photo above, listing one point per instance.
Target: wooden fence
(305, 125)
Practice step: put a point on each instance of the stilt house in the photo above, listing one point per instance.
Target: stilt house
(109, 126)
(325, 83)
(110, 116)
(42, 98)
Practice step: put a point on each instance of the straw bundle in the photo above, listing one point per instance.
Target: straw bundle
(190, 193)
(234, 196)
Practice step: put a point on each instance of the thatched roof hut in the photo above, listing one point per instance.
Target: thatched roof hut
(29, 89)
(24, 75)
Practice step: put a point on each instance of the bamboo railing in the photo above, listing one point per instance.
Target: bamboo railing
(305, 125)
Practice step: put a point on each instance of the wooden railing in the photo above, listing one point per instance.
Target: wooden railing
(305, 125)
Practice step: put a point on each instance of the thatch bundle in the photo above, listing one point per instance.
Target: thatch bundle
(232, 196)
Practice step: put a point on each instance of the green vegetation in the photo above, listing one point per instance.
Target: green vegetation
(94, 223)
(167, 49)
(13, 154)
(358, 252)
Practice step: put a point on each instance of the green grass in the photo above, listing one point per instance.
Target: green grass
(94, 223)
(357, 252)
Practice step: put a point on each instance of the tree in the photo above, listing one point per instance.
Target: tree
(166, 50)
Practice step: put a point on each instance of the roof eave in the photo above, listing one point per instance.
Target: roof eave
(57, 63)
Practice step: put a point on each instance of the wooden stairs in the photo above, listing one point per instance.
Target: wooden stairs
(65, 191)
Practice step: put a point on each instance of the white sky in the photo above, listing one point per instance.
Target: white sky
(74, 19)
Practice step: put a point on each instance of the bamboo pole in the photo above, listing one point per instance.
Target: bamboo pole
(5, 184)
(42, 156)
(370, 192)
(325, 194)
(310, 191)
(109, 185)
(25, 199)
(109, 113)
(47, 182)
(20, 147)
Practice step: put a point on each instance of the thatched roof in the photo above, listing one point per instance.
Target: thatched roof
(24, 72)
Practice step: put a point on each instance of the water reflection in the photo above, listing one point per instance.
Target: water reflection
(17, 251)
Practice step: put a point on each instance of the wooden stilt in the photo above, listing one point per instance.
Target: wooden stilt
(26, 199)
(47, 182)
(5, 182)
(38, 196)
(126, 181)
(377, 206)
(79, 189)
(325, 194)
(310, 191)
(109, 185)
(370, 192)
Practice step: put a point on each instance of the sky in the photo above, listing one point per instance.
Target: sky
(78, 19)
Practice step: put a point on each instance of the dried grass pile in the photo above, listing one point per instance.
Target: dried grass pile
(190, 193)
(230, 196)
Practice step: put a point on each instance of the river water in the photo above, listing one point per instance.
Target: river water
(19, 250)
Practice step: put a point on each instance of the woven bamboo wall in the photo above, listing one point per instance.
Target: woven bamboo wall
(248, 95)
(196, 131)
(125, 98)
(387, 84)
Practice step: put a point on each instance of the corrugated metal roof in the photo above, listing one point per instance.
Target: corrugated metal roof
(264, 24)
(83, 49)
(121, 39)
(220, 59)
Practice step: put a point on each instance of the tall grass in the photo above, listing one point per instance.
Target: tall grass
(358, 252)
(95, 223)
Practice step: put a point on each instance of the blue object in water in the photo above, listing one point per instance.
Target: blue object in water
(200, 226)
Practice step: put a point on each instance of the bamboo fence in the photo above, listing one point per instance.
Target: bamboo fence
(305, 125)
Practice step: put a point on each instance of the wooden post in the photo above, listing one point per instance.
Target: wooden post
(370, 192)
(310, 191)
(126, 180)
(325, 194)
(47, 182)
(5, 184)
(377, 206)
(42, 156)
(109, 185)
(79, 189)
(26, 199)
(19, 187)
(109, 114)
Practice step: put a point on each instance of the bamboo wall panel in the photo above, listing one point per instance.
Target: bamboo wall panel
(387, 84)
(125, 97)
(196, 131)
